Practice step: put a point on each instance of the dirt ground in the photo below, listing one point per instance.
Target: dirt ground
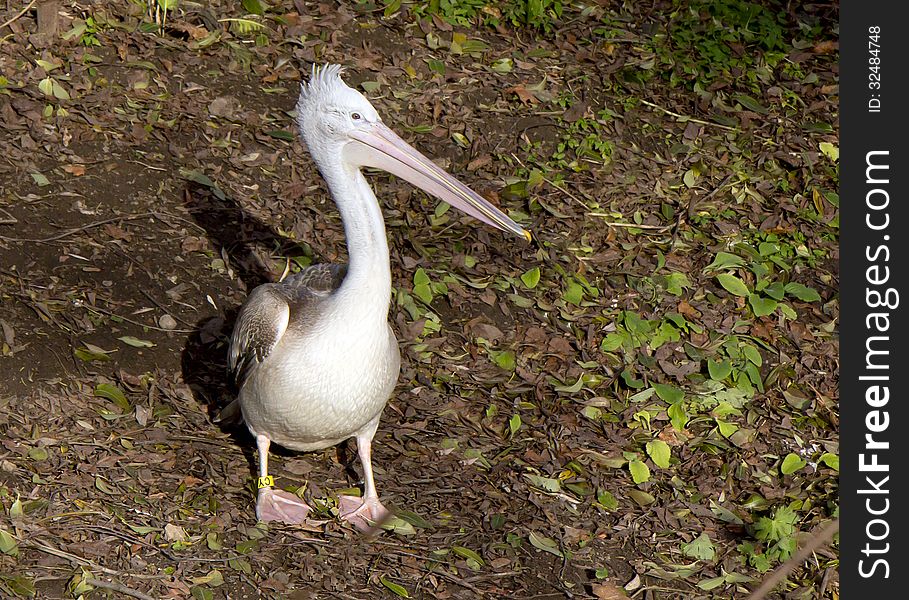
(642, 403)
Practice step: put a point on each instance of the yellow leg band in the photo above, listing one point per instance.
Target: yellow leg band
(264, 482)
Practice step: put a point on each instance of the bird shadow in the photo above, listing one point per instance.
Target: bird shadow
(235, 236)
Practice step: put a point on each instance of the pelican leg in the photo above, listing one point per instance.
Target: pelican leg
(364, 513)
(272, 504)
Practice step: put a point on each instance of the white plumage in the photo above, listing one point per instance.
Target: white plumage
(314, 356)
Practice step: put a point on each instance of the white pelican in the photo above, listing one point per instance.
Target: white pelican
(314, 356)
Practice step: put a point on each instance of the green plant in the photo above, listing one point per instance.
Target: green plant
(533, 14)
(777, 533)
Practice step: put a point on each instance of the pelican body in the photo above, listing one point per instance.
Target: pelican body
(314, 356)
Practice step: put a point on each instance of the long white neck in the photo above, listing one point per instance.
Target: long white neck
(366, 291)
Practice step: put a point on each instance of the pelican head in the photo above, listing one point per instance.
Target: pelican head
(335, 121)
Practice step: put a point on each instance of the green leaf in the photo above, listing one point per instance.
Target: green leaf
(467, 553)
(792, 463)
(700, 548)
(640, 497)
(422, 286)
(200, 178)
(105, 487)
(724, 261)
(762, 306)
(830, 151)
(574, 293)
(38, 453)
(39, 179)
(750, 103)
(678, 416)
(659, 452)
(136, 342)
(788, 312)
(592, 412)
(201, 592)
(676, 282)
(719, 370)
(712, 583)
(614, 341)
(802, 292)
(733, 284)
(775, 290)
(414, 519)
(573, 388)
(8, 544)
(531, 278)
(112, 393)
(423, 292)
(690, 178)
(831, 460)
(544, 483)
(20, 585)
(46, 86)
(514, 423)
(243, 26)
(505, 359)
(421, 278)
(253, 6)
(726, 429)
(752, 354)
(669, 393)
(58, 90)
(15, 510)
(391, 8)
(502, 65)
(607, 500)
(89, 354)
(281, 134)
(544, 543)
(398, 526)
(640, 472)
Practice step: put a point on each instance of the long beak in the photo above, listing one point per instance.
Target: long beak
(382, 148)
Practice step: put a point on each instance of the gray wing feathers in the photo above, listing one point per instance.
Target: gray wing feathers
(261, 323)
(264, 317)
(319, 279)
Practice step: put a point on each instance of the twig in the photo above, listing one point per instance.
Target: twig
(629, 225)
(687, 118)
(683, 213)
(779, 574)
(21, 12)
(75, 230)
(566, 192)
(117, 587)
(108, 313)
(8, 219)
(81, 561)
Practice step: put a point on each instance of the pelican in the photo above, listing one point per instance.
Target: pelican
(314, 356)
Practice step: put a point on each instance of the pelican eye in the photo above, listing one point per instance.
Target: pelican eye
(355, 116)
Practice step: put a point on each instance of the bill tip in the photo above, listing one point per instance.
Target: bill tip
(528, 235)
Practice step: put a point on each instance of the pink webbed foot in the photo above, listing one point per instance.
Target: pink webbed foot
(278, 505)
(365, 514)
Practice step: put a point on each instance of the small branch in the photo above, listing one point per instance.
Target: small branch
(117, 587)
(629, 225)
(75, 230)
(6, 218)
(779, 574)
(21, 12)
(687, 118)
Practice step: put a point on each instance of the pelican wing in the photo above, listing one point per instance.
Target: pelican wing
(264, 317)
(261, 323)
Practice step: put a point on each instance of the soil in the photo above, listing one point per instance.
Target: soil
(134, 223)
